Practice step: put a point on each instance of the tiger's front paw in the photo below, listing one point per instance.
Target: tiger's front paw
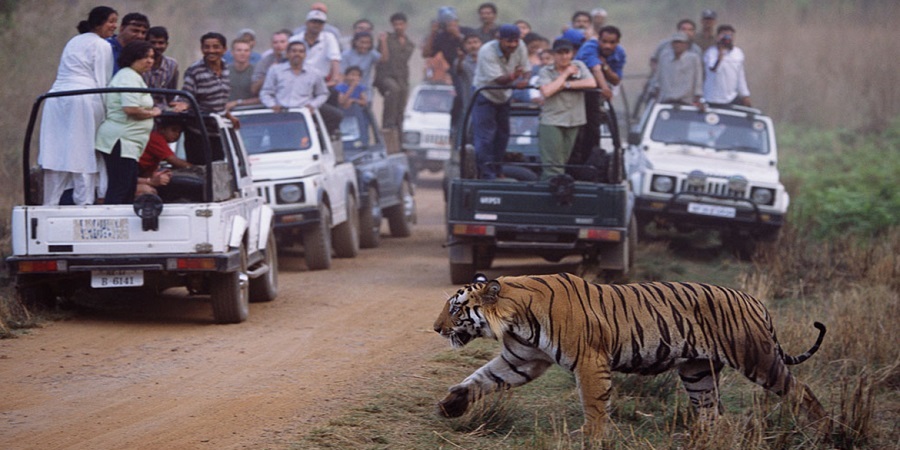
(455, 403)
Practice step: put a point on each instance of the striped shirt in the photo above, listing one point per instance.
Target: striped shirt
(165, 76)
(210, 90)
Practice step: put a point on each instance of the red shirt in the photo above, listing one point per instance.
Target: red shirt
(157, 150)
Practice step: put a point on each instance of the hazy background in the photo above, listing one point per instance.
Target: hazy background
(823, 64)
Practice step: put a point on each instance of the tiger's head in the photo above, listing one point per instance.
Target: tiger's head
(462, 318)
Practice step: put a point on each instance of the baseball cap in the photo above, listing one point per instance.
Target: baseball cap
(680, 36)
(317, 15)
(598, 12)
(573, 35)
(245, 31)
(708, 14)
(508, 31)
(563, 44)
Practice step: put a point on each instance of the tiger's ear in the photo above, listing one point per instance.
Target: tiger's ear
(490, 292)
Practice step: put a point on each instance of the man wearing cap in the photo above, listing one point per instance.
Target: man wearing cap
(562, 114)
(707, 36)
(504, 62)
(329, 28)
(598, 19)
(323, 53)
(664, 49)
(679, 76)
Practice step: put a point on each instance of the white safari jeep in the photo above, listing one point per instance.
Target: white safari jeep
(426, 126)
(208, 230)
(303, 176)
(712, 168)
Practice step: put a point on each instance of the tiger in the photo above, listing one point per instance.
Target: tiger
(644, 328)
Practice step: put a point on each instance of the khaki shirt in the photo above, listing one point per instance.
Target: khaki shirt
(565, 108)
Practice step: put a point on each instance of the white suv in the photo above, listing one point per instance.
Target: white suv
(707, 168)
(426, 126)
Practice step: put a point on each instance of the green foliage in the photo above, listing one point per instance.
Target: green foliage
(842, 183)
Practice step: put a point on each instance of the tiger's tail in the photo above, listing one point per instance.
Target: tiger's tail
(791, 360)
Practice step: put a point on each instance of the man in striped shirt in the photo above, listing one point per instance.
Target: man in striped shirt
(207, 79)
(164, 73)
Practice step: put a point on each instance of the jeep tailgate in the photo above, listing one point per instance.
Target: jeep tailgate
(117, 230)
(534, 204)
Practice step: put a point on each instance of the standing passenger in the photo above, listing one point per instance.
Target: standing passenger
(69, 124)
(707, 37)
(392, 73)
(504, 62)
(275, 55)
(164, 73)
(208, 80)
(725, 78)
(679, 77)
(362, 55)
(240, 74)
(563, 112)
(122, 137)
(134, 28)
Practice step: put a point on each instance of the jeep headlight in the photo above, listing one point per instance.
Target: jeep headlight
(662, 183)
(412, 137)
(290, 193)
(762, 196)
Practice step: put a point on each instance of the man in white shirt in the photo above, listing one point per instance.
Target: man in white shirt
(504, 62)
(323, 54)
(724, 66)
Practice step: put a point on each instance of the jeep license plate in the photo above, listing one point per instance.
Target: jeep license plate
(116, 278)
(712, 210)
(437, 155)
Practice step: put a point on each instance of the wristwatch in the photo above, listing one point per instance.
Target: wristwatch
(567, 85)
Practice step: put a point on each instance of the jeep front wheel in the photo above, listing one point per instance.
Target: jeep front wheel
(402, 216)
(370, 221)
(346, 235)
(264, 288)
(317, 241)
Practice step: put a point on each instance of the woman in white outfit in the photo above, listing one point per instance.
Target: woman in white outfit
(68, 124)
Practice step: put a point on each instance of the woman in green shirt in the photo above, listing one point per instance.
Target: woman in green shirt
(129, 119)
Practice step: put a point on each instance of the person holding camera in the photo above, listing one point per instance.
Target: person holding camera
(725, 79)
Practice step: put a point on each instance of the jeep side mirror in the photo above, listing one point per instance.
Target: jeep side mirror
(634, 138)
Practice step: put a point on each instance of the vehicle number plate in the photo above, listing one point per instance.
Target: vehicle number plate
(439, 155)
(116, 278)
(712, 210)
(101, 229)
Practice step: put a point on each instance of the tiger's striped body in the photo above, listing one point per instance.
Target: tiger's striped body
(592, 330)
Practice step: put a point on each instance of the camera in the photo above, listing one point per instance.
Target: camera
(726, 42)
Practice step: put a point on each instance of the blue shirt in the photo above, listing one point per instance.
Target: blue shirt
(117, 50)
(589, 54)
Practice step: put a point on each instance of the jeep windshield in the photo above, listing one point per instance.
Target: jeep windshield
(722, 132)
(434, 101)
(270, 133)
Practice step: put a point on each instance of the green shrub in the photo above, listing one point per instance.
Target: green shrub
(842, 183)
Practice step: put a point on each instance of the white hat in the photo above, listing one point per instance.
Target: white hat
(317, 15)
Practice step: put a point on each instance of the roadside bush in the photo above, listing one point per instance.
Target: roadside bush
(842, 183)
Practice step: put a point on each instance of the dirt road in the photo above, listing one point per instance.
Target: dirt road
(137, 373)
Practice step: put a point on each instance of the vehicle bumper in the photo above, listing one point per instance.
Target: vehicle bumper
(747, 215)
(69, 264)
(296, 218)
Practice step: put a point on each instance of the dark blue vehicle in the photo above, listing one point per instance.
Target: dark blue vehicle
(385, 180)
